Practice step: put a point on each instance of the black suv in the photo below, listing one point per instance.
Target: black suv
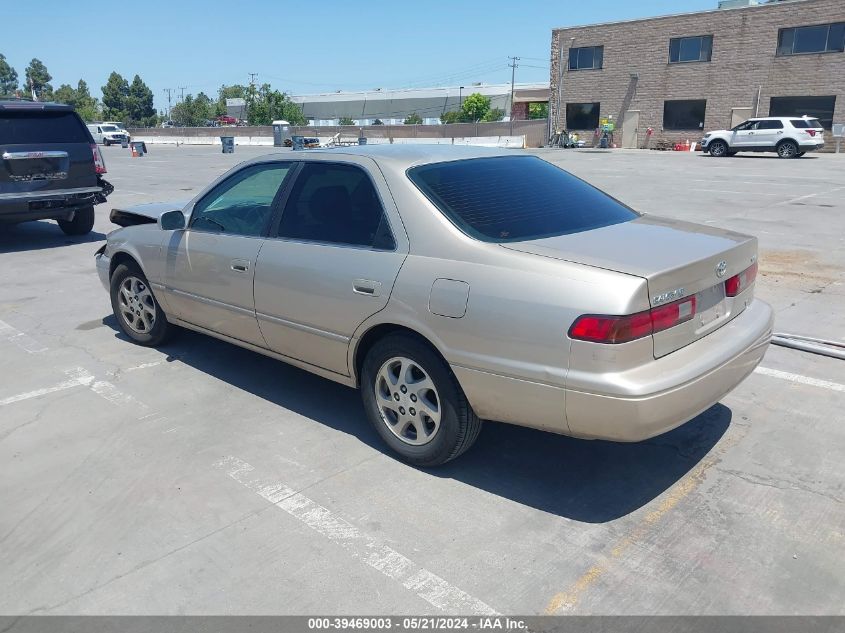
(50, 167)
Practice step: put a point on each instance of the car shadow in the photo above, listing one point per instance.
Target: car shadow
(33, 236)
(761, 155)
(585, 480)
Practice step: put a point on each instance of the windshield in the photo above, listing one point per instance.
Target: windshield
(108, 128)
(515, 198)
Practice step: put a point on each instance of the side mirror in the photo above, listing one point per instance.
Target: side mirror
(171, 220)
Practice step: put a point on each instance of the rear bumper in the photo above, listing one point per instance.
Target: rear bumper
(646, 406)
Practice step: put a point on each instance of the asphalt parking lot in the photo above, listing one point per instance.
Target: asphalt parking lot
(205, 479)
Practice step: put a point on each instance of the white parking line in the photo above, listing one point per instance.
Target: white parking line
(81, 377)
(804, 380)
(24, 341)
(425, 584)
(78, 378)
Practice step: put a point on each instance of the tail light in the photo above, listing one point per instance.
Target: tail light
(99, 163)
(621, 329)
(811, 132)
(739, 283)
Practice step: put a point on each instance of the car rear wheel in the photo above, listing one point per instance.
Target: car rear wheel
(81, 224)
(415, 403)
(138, 314)
(718, 149)
(787, 149)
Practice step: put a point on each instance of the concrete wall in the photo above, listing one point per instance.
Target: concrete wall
(533, 131)
(743, 59)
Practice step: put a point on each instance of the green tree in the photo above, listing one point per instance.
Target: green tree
(8, 77)
(538, 110)
(413, 119)
(453, 116)
(228, 92)
(85, 104)
(475, 107)
(494, 114)
(38, 80)
(265, 105)
(115, 98)
(345, 120)
(139, 104)
(378, 122)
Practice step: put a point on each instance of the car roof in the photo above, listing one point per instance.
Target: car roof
(780, 118)
(398, 156)
(16, 104)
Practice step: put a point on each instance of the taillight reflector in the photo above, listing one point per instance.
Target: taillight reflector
(621, 329)
(99, 163)
(739, 283)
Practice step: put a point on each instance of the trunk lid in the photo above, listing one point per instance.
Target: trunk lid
(677, 259)
(44, 149)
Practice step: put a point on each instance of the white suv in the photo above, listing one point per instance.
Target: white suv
(790, 137)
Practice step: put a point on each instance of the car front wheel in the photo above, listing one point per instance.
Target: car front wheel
(81, 224)
(718, 149)
(138, 314)
(415, 403)
(787, 149)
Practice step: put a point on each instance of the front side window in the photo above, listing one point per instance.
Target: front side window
(516, 198)
(820, 108)
(582, 116)
(819, 38)
(337, 204)
(684, 114)
(690, 49)
(586, 57)
(243, 203)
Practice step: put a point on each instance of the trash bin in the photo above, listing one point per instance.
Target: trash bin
(362, 140)
(281, 131)
(228, 143)
(298, 142)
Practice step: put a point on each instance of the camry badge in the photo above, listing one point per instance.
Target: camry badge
(665, 297)
(721, 268)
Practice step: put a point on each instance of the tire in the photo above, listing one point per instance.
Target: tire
(718, 149)
(800, 154)
(131, 294)
(787, 149)
(403, 363)
(106, 143)
(81, 224)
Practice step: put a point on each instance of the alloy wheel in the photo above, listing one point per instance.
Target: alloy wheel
(137, 305)
(408, 401)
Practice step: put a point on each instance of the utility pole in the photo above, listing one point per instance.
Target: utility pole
(252, 77)
(169, 92)
(182, 89)
(513, 66)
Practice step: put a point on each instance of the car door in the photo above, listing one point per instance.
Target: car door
(744, 135)
(330, 262)
(210, 265)
(768, 133)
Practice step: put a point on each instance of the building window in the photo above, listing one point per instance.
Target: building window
(820, 108)
(582, 116)
(690, 49)
(687, 114)
(586, 57)
(821, 38)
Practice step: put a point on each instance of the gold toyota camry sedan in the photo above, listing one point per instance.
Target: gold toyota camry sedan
(450, 285)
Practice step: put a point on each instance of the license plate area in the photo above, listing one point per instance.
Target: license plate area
(30, 166)
(712, 308)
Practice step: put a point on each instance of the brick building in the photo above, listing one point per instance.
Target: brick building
(683, 74)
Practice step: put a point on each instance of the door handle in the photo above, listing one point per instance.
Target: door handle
(240, 265)
(366, 287)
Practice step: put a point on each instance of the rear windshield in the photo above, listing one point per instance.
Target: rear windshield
(803, 123)
(514, 198)
(27, 127)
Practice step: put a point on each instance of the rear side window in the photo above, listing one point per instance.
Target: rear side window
(25, 127)
(337, 204)
(514, 198)
(770, 125)
(805, 123)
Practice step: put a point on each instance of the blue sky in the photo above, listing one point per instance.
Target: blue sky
(300, 47)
